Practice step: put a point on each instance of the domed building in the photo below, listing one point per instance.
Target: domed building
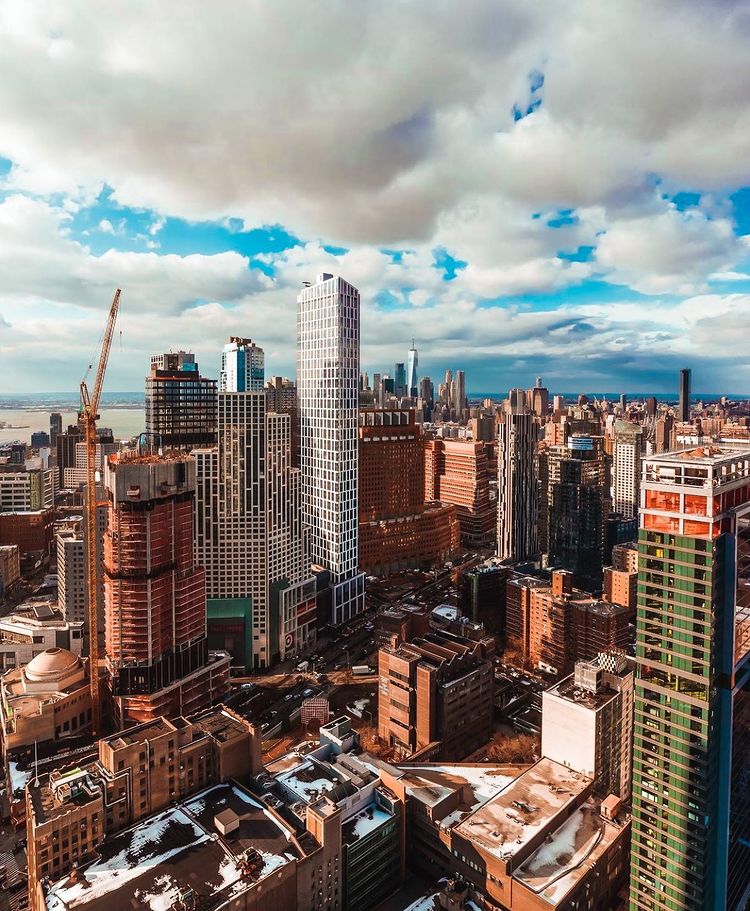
(46, 699)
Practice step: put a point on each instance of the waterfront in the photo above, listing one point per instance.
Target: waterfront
(125, 422)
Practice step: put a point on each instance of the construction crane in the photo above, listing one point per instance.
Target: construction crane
(89, 417)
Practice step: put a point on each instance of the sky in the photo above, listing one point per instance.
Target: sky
(554, 189)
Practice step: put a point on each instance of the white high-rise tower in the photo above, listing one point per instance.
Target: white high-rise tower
(327, 377)
(242, 366)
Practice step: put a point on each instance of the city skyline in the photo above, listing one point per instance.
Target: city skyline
(530, 206)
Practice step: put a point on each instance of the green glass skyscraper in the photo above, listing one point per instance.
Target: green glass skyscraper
(691, 763)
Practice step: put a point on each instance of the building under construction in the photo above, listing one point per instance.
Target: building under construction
(155, 603)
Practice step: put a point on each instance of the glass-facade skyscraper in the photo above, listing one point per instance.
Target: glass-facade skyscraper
(412, 365)
(180, 403)
(691, 763)
(327, 386)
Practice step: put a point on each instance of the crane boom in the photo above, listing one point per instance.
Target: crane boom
(89, 417)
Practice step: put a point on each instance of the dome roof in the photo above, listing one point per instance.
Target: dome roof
(52, 664)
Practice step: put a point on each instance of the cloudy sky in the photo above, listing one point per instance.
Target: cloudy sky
(527, 188)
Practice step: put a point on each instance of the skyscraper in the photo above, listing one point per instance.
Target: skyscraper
(180, 403)
(683, 408)
(242, 366)
(55, 427)
(626, 461)
(575, 508)
(412, 382)
(459, 397)
(154, 593)
(248, 532)
(516, 486)
(400, 381)
(327, 375)
(691, 764)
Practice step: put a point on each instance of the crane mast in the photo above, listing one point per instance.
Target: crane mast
(89, 417)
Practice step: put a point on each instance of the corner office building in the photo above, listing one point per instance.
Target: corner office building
(328, 378)
(691, 763)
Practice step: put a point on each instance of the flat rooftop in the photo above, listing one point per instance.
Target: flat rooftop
(569, 853)
(506, 823)
(140, 733)
(308, 779)
(220, 724)
(364, 823)
(568, 689)
(181, 849)
(45, 803)
(476, 785)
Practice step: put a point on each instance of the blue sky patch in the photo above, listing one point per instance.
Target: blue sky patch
(451, 266)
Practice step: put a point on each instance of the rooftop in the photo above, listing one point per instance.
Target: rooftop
(568, 689)
(477, 784)
(568, 853)
(364, 823)
(140, 733)
(704, 455)
(508, 821)
(153, 863)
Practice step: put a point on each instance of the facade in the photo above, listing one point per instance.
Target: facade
(327, 385)
(157, 655)
(26, 490)
(47, 699)
(576, 484)
(397, 529)
(138, 772)
(281, 398)
(517, 486)
(691, 824)
(435, 696)
(180, 403)
(10, 568)
(461, 472)
(65, 445)
(628, 450)
(483, 597)
(75, 475)
(248, 534)
(71, 575)
(587, 723)
(30, 531)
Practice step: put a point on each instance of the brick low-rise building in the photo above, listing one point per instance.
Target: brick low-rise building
(435, 696)
(139, 772)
